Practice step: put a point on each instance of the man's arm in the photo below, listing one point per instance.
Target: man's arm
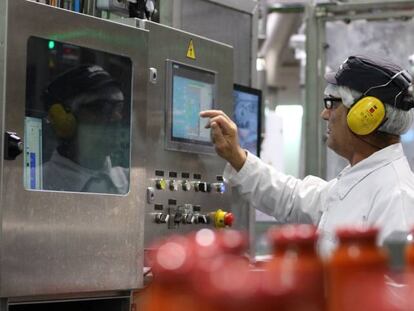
(286, 198)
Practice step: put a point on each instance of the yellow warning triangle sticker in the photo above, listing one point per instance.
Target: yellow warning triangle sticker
(191, 51)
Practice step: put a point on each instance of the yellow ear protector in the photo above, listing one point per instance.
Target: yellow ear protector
(368, 112)
(63, 121)
(366, 115)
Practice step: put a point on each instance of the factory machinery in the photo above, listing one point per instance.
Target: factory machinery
(104, 152)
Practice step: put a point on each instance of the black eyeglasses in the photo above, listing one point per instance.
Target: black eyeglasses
(332, 102)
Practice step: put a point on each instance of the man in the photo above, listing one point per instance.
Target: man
(367, 106)
(85, 110)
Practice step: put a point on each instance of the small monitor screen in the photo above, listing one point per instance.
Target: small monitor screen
(77, 119)
(247, 112)
(191, 90)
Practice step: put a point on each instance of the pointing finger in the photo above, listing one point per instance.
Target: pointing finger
(226, 125)
(213, 113)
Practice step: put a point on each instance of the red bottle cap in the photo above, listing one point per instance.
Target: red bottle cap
(292, 234)
(357, 233)
(232, 241)
(204, 243)
(173, 258)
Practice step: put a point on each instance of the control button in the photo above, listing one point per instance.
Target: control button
(186, 185)
(172, 185)
(222, 219)
(161, 218)
(165, 218)
(196, 186)
(229, 219)
(202, 219)
(189, 218)
(204, 187)
(178, 217)
(160, 184)
(219, 187)
(196, 208)
(157, 218)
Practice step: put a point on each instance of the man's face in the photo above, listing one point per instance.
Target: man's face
(339, 136)
(99, 124)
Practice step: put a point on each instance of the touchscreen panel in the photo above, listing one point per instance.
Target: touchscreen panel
(193, 91)
(190, 90)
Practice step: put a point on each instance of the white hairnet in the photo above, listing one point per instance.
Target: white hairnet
(397, 121)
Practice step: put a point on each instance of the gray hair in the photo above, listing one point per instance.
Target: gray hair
(398, 121)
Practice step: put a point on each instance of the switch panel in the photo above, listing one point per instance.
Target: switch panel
(183, 212)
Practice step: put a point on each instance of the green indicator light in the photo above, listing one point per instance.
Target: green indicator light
(51, 45)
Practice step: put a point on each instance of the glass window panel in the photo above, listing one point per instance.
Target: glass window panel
(77, 119)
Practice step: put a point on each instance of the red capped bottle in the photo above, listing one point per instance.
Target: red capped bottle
(356, 271)
(296, 267)
(172, 265)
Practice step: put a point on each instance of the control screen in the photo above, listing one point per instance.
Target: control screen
(192, 90)
(77, 119)
(247, 103)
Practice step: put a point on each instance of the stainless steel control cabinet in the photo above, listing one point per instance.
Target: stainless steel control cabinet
(62, 242)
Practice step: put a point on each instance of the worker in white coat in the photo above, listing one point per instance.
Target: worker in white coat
(368, 105)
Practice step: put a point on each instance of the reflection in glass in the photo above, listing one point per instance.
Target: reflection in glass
(77, 126)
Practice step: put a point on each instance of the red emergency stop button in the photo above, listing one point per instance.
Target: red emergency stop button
(228, 219)
(222, 219)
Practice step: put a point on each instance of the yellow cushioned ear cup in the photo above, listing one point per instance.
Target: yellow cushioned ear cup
(63, 122)
(366, 115)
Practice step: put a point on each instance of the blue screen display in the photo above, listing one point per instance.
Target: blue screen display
(246, 117)
(189, 98)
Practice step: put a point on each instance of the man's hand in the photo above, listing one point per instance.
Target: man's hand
(225, 138)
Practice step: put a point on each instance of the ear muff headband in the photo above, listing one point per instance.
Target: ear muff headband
(366, 115)
(63, 121)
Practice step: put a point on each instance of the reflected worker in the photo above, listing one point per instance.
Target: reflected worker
(368, 105)
(85, 110)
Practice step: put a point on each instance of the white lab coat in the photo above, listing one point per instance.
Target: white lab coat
(378, 191)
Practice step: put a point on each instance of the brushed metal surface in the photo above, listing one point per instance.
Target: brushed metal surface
(56, 242)
(3, 31)
(223, 24)
(232, 22)
(168, 43)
